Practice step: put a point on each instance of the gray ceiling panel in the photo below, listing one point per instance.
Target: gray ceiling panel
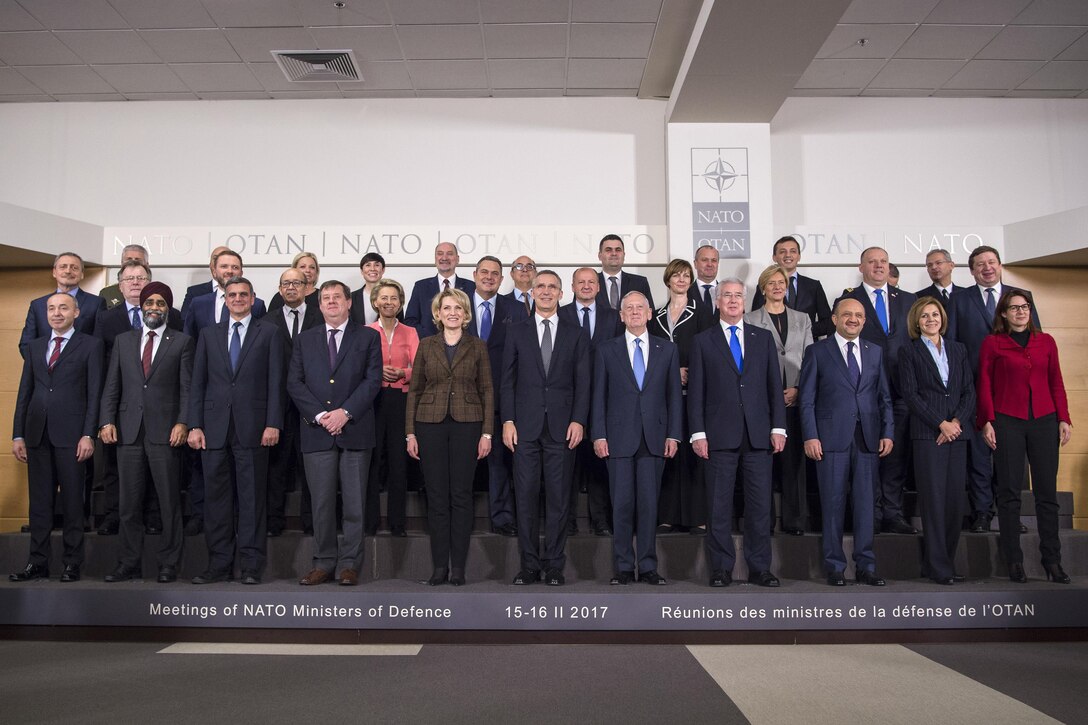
(56, 79)
(11, 83)
(881, 41)
(525, 11)
(355, 12)
(915, 73)
(13, 17)
(611, 40)
(527, 73)
(888, 11)
(616, 11)
(993, 74)
(75, 14)
(36, 48)
(379, 43)
(191, 46)
(1054, 12)
(526, 41)
(108, 46)
(1062, 74)
(604, 73)
(840, 73)
(947, 41)
(435, 12)
(441, 42)
(142, 78)
(1029, 42)
(164, 13)
(977, 12)
(217, 77)
(448, 74)
(253, 13)
(254, 44)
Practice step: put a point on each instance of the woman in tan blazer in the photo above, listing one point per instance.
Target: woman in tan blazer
(448, 425)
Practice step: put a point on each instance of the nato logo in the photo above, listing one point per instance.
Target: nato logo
(720, 202)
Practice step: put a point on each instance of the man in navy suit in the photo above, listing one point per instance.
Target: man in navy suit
(939, 266)
(636, 424)
(523, 272)
(335, 374)
(545, 407)
(492, 315)
(56, 416)
(418, 313)
(804, 294)
(613, 281)
(737, 416)
(847, 422)
(601, 323)
(68, 273)
(202, 288)
(886, 309)
(212, 308)
(705, 285)
(235, 416)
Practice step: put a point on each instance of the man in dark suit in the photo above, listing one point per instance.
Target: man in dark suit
(886, 309)
(613, 281)
(705, 285)
(112, 295)
(418, 314)
(970, 321)
(284, 460)
(737, 416)
(212, 308)
(804, 294)
(600, 323)
(236, 414)
(545, 407)
(56, 416)
(145, 408)
(847, 422)
(202, 288)
(335, 374)
(939, 266)
(636, 424)
(492, 315)
(68, 273)
(523, 272)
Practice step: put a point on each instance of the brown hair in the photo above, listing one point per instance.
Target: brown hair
(914, 317)
(1001, 325)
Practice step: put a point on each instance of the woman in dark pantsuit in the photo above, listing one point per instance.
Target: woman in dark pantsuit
(936, 381)
(448, 424)
(1023, 414)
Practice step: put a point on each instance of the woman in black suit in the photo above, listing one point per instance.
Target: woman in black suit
(936, 381)
(682, 503)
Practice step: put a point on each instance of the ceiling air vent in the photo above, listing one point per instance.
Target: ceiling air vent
(307, 66)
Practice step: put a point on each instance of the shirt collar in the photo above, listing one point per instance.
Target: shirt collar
(841, 341)
(870, 289)
(245, 321)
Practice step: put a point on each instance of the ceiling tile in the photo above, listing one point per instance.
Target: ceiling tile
(976, 12)
(829, 92)
(440, 42)
(13, 83)
(443, 74)
(55, 79)
(89, 97)
(1076, 51)
(142, 78)
(13, 17)
(887, 11)
(74, 14)
(527, 93)
(217, 77)
(1059, 74)
(272, 78)
(525, 41)
(234, 96)
(915, 73)
(334, 93)
(528, 73)
(1030, 42)
(881, 41)
(164, 13)
(1054, 12)
(604, 73)
(26, 99)
(254, 44)
(379, 94)
(435, 12)
(969, 93)
(40, 48)
(459, 93)
(161, 96)
(253, 13)
(603, 92)
(611, 40)
(355, 12)
(368, 43)
(834, 73)
(381, 75)
(898, 92)
(108, 46)
(191, 46)
(993, 74)
(1043, 93)
(947, 41)
(615, 11)
(525, 11)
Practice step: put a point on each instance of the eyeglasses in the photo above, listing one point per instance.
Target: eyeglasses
(1026, 307)
(134, 279)
(525, 267)
(292, 284)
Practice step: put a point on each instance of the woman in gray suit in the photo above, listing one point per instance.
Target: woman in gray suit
(792, 332)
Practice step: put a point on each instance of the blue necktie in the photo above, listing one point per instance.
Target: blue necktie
(225, 314)
(235, 347)
(734, 347)
(852, 365)
(585, 321)
(791, 297)
(136, 324)
(485, 322)
(706, 295)
(991, 306)
(881, 313)
(639, 364)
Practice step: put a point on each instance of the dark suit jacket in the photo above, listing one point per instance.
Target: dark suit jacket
(418, 312)
(351, 384)
(930, 401)
(831, 407)
(513, 298)
(719, 397)
(506, 312)
(37, 322)
(932, 291)
(201, 314)
(812, 301)
(562, 396)
(312, 300)
(969, 323)
(155, 403)
(252, 397)
(606, 323)
(695, 294)
(116, 321)
(623, 414)
(897, 337)
(197, 290)
(311, 318)
(694, 319)
(629, 282)
(61, 405)
(462, 390)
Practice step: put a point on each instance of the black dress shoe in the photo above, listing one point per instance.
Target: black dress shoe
(274, 531)
(124, 573)
(251, 577)
(307, 530)
(71, 574)
(899, 525)
(25, 529)
(959, 578)
(946, 581)
(370, 531)
(836, 579)
(980, 524)
(554, 578)
(438, 577)
(720, 579)
(665, 528)
(602, 530)
(1055, 573)
(795, 532)
(457, 577)
(167, 574)
(1016, 574)
(763, 579)
(623, 578)
(652, 577)
(32, 571)
(1023, 529)
(195, 527)
(869, 577)
(109, 528)
(505, 530)
(527, 576)
(211, 576)
(398, 531)
(153, 529)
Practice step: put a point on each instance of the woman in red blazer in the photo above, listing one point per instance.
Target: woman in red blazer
(1022, 413)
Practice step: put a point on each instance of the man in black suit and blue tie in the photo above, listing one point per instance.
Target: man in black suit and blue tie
(847, 423)
(418, 312)
(804, 294)
(614, 282)
(68, 273)
(636, 424)
(737, 416)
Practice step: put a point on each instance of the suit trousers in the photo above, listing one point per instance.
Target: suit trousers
(325, 471)
(939, 471)
(839, 474)
(447, 454)
(789, 470)
(164, 463)
(284, 461)
(47, 468)
(591, 472)
(236, 471)
(551, 460)
(500, 491)
(390, 461)
(634, 483)
(893, 469)
(1037, 441)
(980, 476)
(722, 470)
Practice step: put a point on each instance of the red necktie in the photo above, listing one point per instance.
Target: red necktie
(56, 352)
(149, 347)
